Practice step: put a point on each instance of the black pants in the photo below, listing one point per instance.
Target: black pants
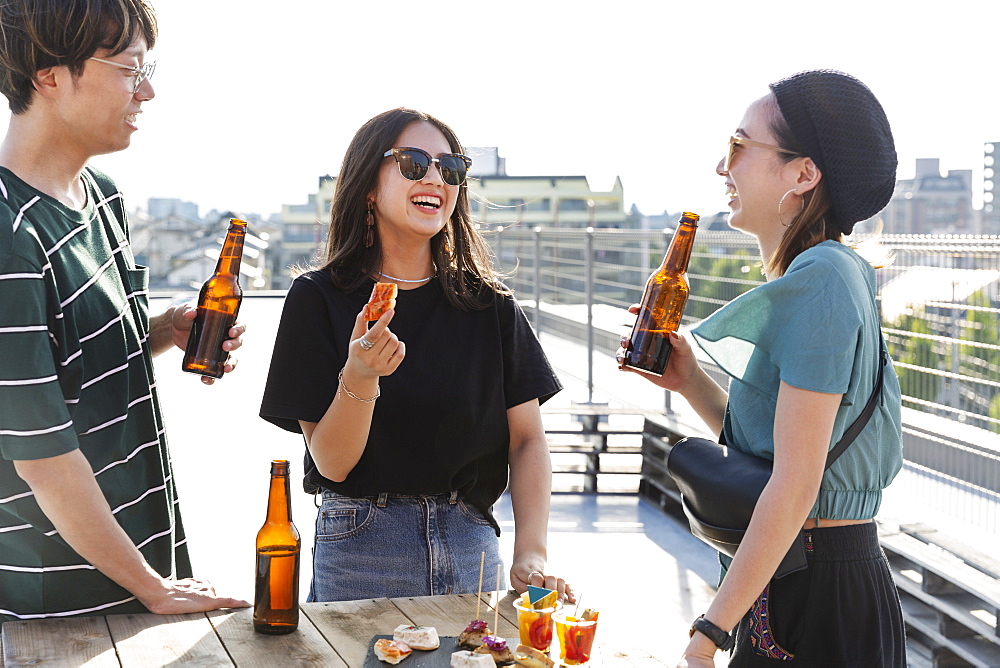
(841, 611)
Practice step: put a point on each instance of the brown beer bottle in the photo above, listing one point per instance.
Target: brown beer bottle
(218, 304)
(663, 303)
(276, 595)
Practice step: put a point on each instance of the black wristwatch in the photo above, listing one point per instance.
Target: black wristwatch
(722, 640)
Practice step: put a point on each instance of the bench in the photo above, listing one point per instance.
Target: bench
(585, 448)
(949, 605)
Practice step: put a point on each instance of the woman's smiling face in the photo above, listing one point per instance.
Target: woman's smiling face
(414, 210)
(757, 177)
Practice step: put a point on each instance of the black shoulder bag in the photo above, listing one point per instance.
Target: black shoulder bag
(720, 485)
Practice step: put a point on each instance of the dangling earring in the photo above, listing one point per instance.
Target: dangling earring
(370, 230)
(782, 201)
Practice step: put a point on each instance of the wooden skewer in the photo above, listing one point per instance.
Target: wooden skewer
(496, 606)
(479, 593)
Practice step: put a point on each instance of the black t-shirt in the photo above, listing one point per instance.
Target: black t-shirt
(440, 424)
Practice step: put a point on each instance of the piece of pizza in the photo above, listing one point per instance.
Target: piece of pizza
(383, 299)
(391, 651)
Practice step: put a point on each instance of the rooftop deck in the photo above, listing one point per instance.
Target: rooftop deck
(621, 552)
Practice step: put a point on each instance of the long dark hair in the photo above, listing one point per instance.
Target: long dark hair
(462, 258)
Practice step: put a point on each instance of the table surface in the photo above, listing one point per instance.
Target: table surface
(329, 634)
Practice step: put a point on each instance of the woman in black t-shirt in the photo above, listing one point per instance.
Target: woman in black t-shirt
(411, 454)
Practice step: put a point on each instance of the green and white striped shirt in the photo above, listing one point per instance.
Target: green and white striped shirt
(76, 371)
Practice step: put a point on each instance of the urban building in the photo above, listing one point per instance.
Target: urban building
(495, 197)
(544, 201)
(301, 231)
(991, 188)
(181, 252)
(162, 207)
(717, 221)
(930, 203)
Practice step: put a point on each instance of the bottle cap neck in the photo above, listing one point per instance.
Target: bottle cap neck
(279, 502)
(232, 248)
(679, 253)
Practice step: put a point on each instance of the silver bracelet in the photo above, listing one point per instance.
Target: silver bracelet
(340, 384)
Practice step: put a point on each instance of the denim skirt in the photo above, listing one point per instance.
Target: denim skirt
(396, 545)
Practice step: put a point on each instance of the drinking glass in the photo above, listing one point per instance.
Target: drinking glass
(576, 638)
(535, 625)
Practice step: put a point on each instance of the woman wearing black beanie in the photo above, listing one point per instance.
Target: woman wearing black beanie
(808, 161)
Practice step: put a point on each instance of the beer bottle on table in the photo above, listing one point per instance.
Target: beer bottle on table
(663, 303)
(218, 304)
(276, 594)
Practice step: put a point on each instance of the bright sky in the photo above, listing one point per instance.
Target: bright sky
(256, 99)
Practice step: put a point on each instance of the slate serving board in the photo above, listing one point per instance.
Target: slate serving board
(435, 658)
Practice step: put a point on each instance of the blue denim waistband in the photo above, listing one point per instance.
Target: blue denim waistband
(382, 499)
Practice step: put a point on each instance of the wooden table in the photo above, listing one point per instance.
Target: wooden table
(329, 634)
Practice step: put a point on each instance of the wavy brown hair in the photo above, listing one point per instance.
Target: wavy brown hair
(36, 34)
(462, 258)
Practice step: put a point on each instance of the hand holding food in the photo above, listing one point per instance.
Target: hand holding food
(526, 572)
(376, 351)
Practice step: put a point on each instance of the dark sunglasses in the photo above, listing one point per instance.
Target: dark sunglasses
(413, 164)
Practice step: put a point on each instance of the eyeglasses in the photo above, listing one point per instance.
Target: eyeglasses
(735, 141)
(140, 73)
(413, 164)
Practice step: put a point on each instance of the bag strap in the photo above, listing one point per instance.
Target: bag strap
(855, 429)
(859, 424)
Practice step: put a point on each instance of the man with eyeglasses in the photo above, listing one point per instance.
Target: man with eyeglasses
(89, 521)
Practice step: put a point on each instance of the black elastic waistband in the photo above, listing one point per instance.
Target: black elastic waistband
(846, 543)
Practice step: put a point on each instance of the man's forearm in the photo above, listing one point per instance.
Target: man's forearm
(161, 331)
(67, 492)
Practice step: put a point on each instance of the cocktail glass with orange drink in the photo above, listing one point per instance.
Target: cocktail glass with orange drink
(534, 620)
(576, 636)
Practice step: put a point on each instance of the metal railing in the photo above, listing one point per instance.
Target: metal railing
(940, 306)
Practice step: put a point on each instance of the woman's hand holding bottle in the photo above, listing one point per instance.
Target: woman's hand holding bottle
(681, 366)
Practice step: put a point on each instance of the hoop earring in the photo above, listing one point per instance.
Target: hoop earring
(782, 201)
(370, 230)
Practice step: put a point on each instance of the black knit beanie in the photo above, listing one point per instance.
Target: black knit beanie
(838, 123)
